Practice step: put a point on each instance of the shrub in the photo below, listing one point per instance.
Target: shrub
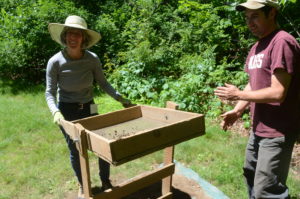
(152, 50)
(26, 45)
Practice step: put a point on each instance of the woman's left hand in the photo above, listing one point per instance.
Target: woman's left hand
(127, 103)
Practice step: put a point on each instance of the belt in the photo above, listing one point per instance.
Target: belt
(77, 105)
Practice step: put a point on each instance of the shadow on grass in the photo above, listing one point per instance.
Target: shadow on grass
(18, 86)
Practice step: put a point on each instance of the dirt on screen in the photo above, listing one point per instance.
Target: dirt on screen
(129, 128)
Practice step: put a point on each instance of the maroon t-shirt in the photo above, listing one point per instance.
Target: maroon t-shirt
(279, 50)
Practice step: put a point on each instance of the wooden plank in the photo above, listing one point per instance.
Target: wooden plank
(69, 128)
(99, 145)
(172, 105)
(84, 162)
(137, 183)
(167, 115)
(166, 196)
(156, 139)
(109, 119)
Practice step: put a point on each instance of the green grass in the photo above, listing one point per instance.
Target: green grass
(34, 159)
(217, 157)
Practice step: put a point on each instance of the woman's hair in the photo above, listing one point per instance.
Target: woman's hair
(86, 37)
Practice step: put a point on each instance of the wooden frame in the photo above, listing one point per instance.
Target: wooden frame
(168, 127)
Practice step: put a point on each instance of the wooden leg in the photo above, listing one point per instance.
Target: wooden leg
(168, 158)
(84, 163)
(172, 105)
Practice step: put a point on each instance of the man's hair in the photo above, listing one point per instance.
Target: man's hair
(267, 9)
(86, 37)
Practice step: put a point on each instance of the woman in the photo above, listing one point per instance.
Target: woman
(71, 73)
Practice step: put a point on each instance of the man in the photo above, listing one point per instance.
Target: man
(273, 66)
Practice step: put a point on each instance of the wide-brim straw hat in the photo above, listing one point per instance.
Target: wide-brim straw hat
(56, 29)
(257, 4)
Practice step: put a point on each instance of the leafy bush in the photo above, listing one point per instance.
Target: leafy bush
(25, 45)
(178, 54)
(182, 53)
(152, 50)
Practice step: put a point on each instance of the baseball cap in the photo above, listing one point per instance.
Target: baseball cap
(257, 4)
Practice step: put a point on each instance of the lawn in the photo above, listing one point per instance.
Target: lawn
(35, 164)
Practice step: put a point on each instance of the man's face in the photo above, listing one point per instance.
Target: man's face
(258, 23)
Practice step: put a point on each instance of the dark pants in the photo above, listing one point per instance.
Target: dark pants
(267, 165)
(74, 111)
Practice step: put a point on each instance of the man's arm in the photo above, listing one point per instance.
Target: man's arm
(280, 82)
(231, 116)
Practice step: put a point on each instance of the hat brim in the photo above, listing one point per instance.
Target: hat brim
(55, 30)
(249, 5)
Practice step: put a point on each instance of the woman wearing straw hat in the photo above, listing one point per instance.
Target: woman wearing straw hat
(71, 73)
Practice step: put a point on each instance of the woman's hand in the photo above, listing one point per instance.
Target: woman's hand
(125, 102)
(57, 117)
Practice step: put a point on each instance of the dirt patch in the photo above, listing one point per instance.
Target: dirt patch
(188, 186)
(182, 188)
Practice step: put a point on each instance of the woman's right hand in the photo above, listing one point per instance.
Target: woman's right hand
(57, 117)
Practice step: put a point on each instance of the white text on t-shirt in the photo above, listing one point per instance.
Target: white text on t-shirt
(255, 61)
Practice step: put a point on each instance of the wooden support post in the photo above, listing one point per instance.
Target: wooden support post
(84, 161)
(168, 159)
(167, 182)
(172, 105)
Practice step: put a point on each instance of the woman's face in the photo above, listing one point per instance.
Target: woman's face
(74, 38)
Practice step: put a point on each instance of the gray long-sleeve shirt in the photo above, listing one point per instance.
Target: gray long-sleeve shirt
(73, 80)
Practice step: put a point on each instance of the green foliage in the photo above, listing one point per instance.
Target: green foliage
(182, 53)
(25, 44)
(152, 50)
(289, 19)
(178, 54)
